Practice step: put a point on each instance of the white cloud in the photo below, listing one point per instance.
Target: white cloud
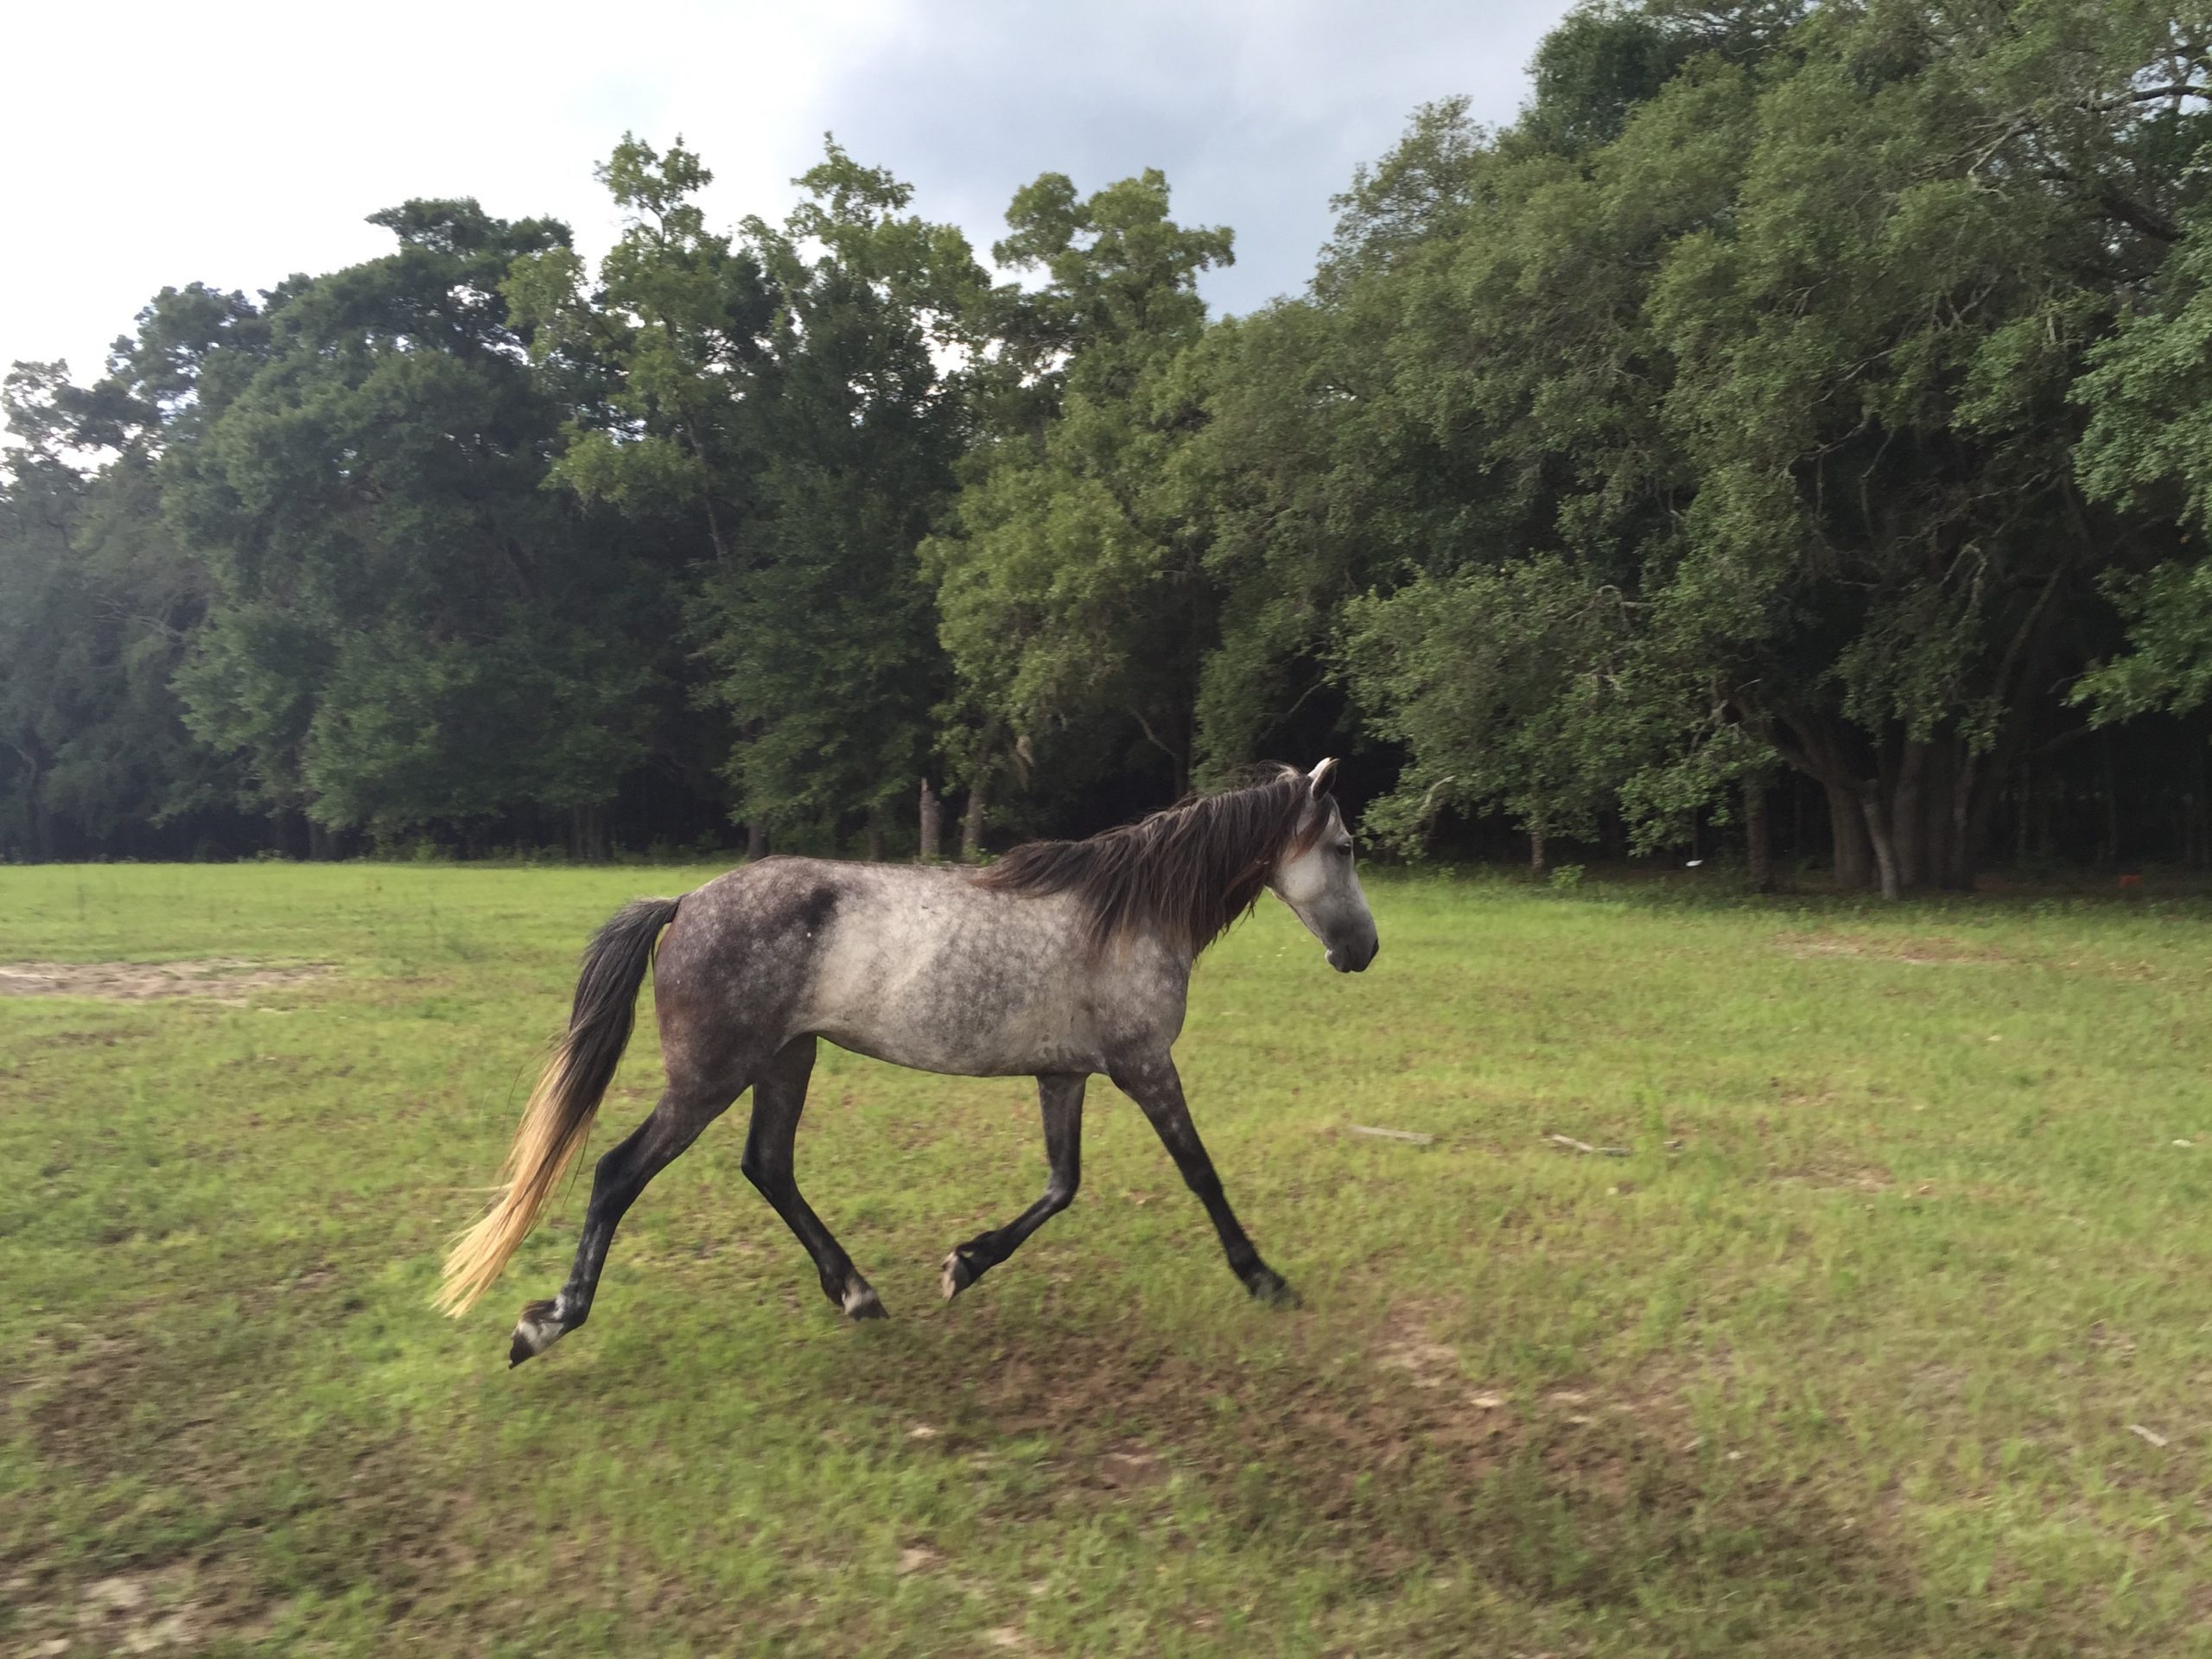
(158, 144)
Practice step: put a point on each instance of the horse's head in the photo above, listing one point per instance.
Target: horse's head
(1319, 883)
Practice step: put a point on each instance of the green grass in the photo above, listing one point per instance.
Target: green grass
(1852, 1369)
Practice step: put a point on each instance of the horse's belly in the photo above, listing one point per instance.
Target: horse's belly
(917, 1024)
(1013, 1048)
(1009, 1061)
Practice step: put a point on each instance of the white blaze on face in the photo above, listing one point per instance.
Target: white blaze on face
(1320, 885)
(1303, 882)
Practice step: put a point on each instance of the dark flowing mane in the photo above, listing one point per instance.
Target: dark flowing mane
(1189, 871)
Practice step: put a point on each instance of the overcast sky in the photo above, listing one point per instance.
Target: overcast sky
(233, 144)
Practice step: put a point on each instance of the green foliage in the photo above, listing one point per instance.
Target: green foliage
(97, 603)
(1602, 60)
(2169, 616)
(1068, 579)
(1772, 331)
(407, 627)
(1504, 688)
(675, 322)
(780, 393)
(1812, 389)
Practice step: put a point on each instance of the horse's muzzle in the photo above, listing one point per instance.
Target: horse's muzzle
(1355, 959)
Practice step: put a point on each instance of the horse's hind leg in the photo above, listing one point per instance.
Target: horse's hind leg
(1063, 1101)
(674, 1124)
(778, 1097)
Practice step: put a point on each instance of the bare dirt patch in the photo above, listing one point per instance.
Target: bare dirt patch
(1858, 1178)
(1924, 952)
(231, 980)
(1921, 951)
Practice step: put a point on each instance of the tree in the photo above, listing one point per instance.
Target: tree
(96, 602)
(1513, 688)
(784, 387)
(1069, 581)
(407, 628)
(1785, 364)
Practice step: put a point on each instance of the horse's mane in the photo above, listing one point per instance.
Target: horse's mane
(1187, 871)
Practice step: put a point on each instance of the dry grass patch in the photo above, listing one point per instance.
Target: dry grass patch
(1921, 951)
(231, 980)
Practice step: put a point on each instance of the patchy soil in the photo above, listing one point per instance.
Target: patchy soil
(1866, 1178)
(1922, 951)
(220, 979)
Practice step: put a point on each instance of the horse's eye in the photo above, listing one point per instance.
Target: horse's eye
(1345, 847)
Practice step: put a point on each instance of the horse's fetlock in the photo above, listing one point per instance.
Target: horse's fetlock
(542, 1325)
(961, 1270)
(860, 1300)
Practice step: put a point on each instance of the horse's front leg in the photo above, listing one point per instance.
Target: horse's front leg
(1062, 1096)
(1152, 1083)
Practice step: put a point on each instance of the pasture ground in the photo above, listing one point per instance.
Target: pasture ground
(1889, 1334)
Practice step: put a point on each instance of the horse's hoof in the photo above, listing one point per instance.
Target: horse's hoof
(539, 1328)
(861, 1302)
(1270, 1286)
(956, 1275)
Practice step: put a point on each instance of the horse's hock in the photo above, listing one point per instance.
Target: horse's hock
(220, 979)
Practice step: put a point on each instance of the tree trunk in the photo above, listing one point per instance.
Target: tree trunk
(2203, 807)
(2108, 854)
(1885, 856)
(1847, 827)
(1537, 867)
(933, 824)
(1907, 821)
(875, 834)
(756, 841)
(323, 845)
(1976, 795)
(588, 835)
(1758, 846)
(971, 822)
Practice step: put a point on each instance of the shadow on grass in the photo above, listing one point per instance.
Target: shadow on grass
(1310, 1456)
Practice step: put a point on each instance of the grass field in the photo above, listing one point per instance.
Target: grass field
(1889, 1335)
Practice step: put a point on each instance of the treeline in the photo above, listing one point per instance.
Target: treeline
(1788, 437)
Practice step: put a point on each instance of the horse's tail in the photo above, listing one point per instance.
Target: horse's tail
(557, 1121)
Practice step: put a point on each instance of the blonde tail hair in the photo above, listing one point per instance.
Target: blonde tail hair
(557, 1121)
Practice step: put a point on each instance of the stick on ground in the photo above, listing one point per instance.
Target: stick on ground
(1573, 1145)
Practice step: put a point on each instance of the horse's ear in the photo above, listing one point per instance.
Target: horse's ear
(1321, 779)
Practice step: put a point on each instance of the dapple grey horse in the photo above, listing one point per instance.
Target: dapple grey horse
(1063, 959)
